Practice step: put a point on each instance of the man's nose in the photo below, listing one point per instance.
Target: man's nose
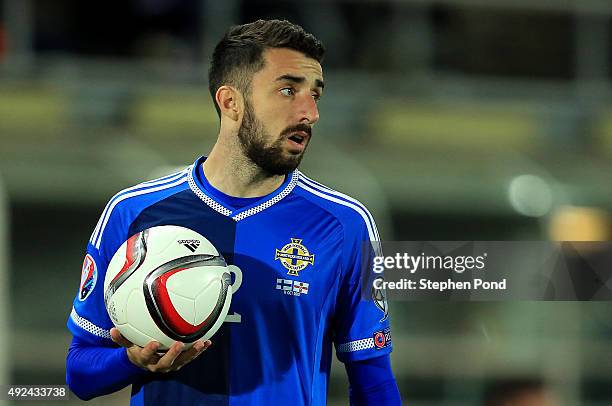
(308, 110)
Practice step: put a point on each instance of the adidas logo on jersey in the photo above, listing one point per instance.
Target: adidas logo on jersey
(191, 245)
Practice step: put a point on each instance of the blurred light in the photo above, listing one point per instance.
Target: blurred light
(571, 223)
(530, 195)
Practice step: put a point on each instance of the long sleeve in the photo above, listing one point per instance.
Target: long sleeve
(372, 382)
(95, 371)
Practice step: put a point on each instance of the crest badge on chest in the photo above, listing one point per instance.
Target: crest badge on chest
(294, 257)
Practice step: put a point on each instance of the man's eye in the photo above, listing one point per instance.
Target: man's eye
(316, 97)
(287, 91)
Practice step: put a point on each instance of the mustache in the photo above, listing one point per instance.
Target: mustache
(299, 127)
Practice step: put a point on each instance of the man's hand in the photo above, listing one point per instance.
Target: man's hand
(147, 357)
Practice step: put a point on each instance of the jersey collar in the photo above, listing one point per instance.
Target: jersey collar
(243, 212)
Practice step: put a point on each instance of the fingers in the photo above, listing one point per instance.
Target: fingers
(141, 357)
(192, 353)
(119, 339)
(201, 346)
(165, 363)
(175, 358)
(148, 358)
(149, 352)
(197, 348)
(144, 357)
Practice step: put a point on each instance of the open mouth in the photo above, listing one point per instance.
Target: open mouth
(298, 139)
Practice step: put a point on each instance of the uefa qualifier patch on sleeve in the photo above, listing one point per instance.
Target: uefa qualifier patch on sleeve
(89, 276)
(382, 339)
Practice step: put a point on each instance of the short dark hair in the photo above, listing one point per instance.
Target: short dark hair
(239, 54)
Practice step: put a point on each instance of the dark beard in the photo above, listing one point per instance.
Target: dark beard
(269, 158)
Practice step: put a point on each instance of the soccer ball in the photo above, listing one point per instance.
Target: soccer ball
(167, 283)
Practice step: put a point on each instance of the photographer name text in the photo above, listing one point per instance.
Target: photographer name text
(441, 286)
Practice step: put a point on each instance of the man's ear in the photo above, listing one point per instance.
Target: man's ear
(230, 102)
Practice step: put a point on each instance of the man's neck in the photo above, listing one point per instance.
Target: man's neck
(229, 171)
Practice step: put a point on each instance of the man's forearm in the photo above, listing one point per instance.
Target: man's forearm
(372, 383)
(95, 371)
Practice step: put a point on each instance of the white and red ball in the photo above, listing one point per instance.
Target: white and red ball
(167, 283)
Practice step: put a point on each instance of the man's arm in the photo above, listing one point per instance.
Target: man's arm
(372, 383)
(95, 370)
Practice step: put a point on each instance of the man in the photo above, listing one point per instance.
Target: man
(249, 200)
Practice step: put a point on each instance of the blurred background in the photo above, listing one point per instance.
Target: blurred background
(450, 119)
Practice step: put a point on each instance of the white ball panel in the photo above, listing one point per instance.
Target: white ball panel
(185, 306)
(141, 326)
(116, 313)
(162, 238)
(137, 314)
(191, 282)
(117, 304)
(207, 299)
(134, 335)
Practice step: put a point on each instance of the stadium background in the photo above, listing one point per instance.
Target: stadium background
(450, 119)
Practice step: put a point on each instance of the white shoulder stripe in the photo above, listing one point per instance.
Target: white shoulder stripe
(325, 189)
(177, 182)
(371, 233)
(166, 177)
(151, 183)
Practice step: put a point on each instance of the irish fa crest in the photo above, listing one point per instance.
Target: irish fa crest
(294, 257)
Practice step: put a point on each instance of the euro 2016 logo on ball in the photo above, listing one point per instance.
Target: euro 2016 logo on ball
(156, 288)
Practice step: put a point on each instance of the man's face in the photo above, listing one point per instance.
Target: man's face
(281, 110)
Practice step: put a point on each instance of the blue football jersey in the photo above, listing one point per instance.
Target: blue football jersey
(301, 253)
